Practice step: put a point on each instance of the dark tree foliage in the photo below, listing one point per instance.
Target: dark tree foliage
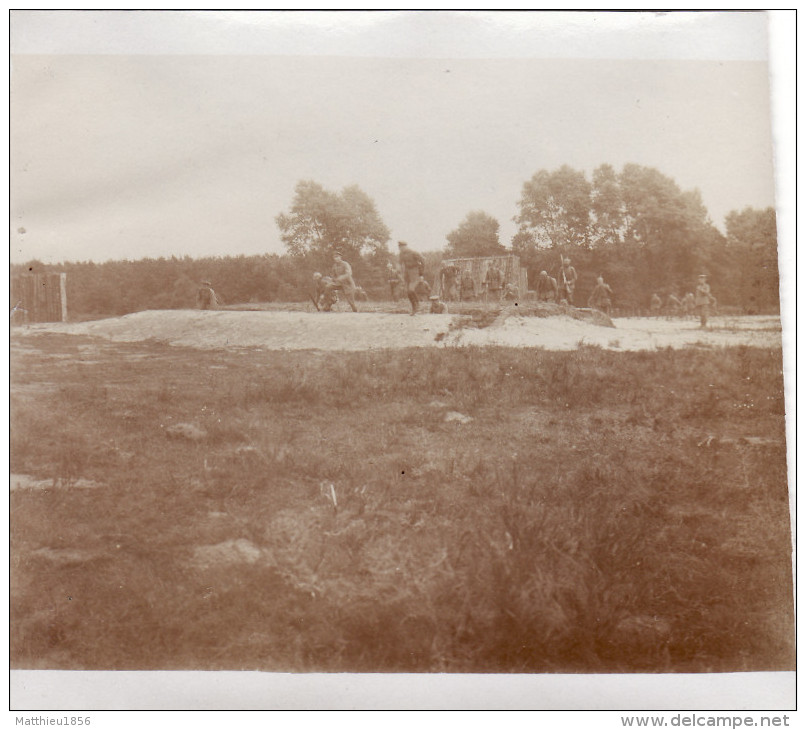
(122, 287)
(644, 234)
(321, 222)
(607, 208)
(556, 208)
(639, 231)
(752, 238)
(477, 235)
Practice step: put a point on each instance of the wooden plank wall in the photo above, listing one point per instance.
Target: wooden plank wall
(38, 298)
(514, 273)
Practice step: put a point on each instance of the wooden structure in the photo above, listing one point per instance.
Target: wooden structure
(509, 264)
(38, 298)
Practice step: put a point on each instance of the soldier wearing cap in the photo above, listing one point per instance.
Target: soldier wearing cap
(673, 305)
(494, 280)
(600, 296)
(568, 277)
(688, 304)
(467, 286)
(343, 279)
(205, 296)
(448, 276)
(394, 280)
(546, 288)
(412, 265)
(655, 304)
(510, 292)
(702, 299)
(324, 292)
(437, 306)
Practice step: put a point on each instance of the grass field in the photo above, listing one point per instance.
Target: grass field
(465, 510)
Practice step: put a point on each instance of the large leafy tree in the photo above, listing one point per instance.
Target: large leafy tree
(637, 222)
(321, 221)
(555, 207)
(670, 225)
(477, 235)
(607, 207)
(752, 243)
(656, 209)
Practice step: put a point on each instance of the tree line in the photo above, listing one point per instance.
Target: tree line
(634, 227)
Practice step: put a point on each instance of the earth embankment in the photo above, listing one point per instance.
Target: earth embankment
(373, 330)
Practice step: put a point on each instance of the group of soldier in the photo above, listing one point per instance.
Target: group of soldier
(409, 274)
(457, 284)
(549, 289)
(699, 303)
(558, 289)
(327, 288)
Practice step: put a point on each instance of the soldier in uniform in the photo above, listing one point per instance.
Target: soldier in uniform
(600, 296)
(567, 281)
(343, 279)
(673, 305)
(467, 286)
(703, 299)
(510, 292)
(655, 304)
(437, 306)
(394, 279)
(412, 265)
(324, 292)
(448, 276)
(688, 304)
(205, 296)
(546, 288)
(422, 289)
(493, 281)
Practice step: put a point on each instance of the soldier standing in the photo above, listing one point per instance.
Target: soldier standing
(600, 296)
(394, 279)
(343, 278)
(493, 281)
(467, 286)
(448, 275)
(655, 304)
(673, 305)
(568, 279)
(412, 265)
(688, 304)
(702, 299)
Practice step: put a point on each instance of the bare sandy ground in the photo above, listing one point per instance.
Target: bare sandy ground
(368, 331)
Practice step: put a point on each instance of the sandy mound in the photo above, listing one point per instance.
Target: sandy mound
(367, 331)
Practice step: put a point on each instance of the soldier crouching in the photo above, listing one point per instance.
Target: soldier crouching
(437, 306)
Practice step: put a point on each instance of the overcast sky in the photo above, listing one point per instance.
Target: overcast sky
(144, 134)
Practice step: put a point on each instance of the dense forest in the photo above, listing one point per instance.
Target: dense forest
(636, 228)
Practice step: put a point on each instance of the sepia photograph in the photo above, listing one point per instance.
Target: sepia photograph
(435, 344)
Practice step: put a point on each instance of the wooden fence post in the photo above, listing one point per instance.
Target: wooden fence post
(63, 293)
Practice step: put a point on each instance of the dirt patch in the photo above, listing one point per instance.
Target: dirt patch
(230, 552)
(24, 481)
(64, 557)
(367, 331)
